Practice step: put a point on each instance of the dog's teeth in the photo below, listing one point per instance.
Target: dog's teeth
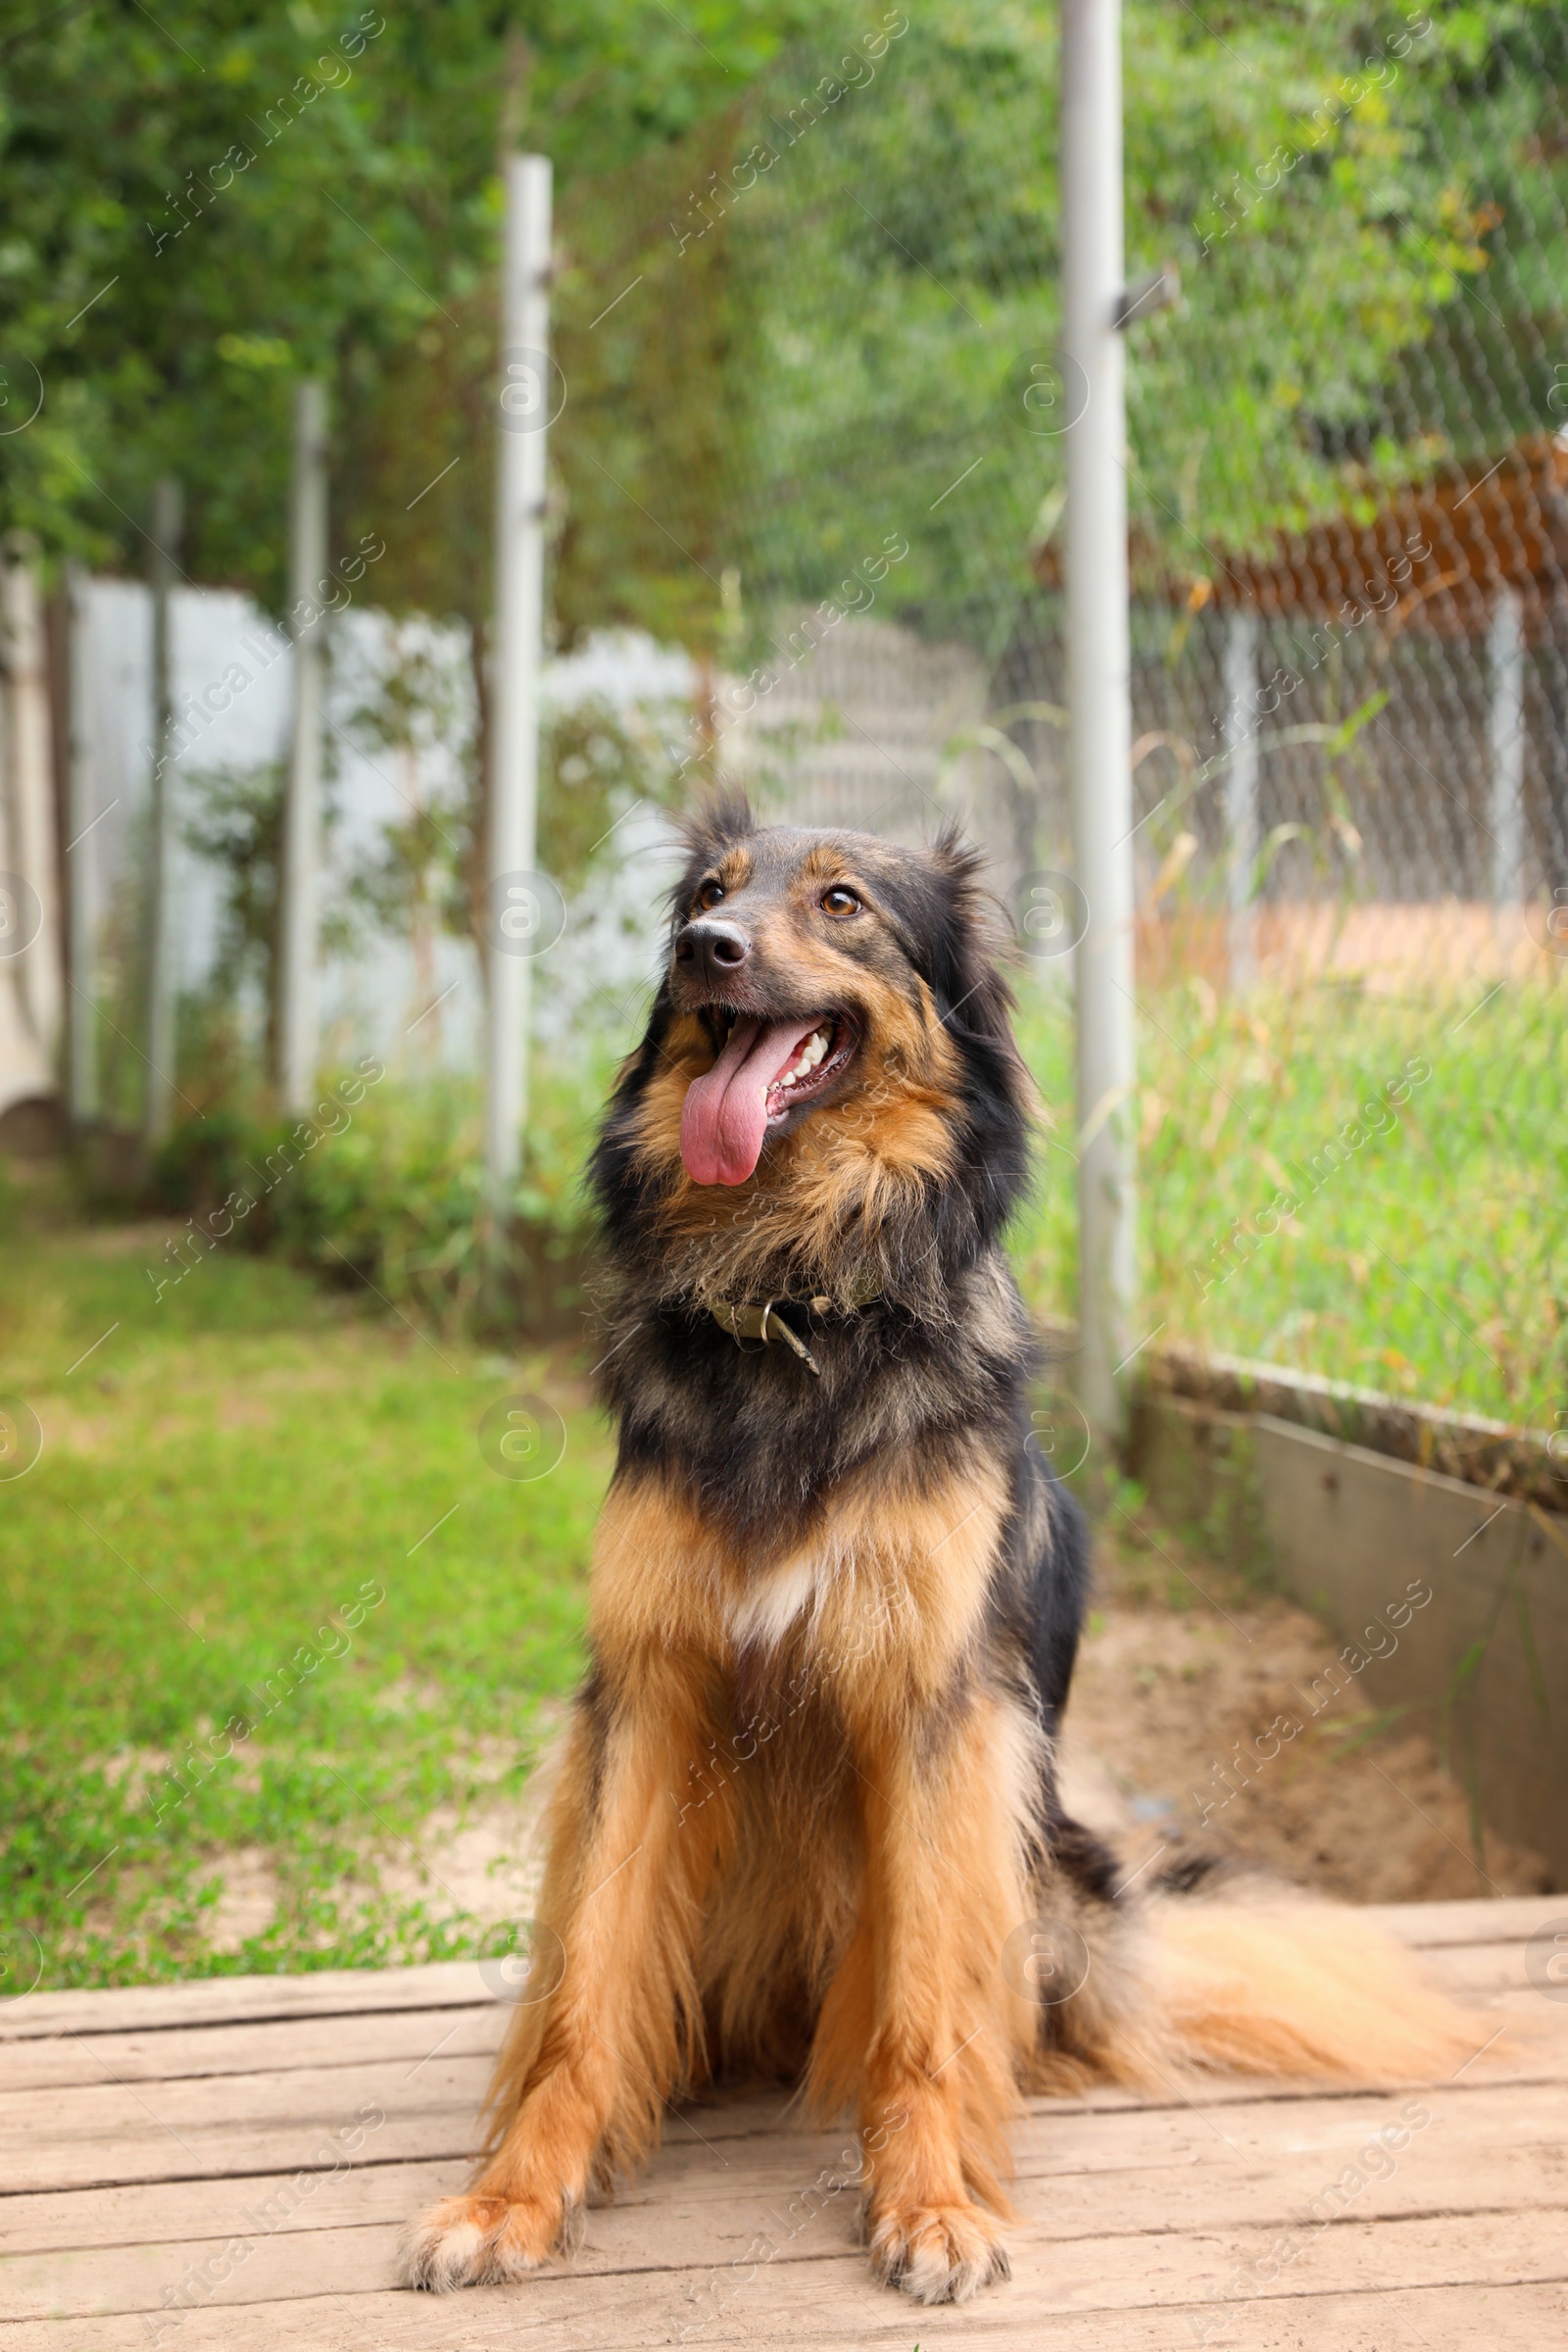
(811, 1052)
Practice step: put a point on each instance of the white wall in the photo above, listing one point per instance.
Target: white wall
(416, 1004)
(863, 731)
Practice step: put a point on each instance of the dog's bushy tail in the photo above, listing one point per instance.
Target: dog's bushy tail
(1248, 1980)
(1283, 1985)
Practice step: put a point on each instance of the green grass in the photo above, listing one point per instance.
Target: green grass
(1432, 1262)
(228, 1470)
(386, 1179)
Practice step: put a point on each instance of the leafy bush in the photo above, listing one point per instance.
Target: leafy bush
(382, 1185)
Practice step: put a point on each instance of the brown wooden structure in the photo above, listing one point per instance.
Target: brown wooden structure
(1430, 558)
(200, 2168)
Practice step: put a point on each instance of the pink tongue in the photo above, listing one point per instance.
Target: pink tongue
(724, 1116)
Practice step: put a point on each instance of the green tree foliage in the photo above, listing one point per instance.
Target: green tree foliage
(807, 261)
(1367, 215)
(202, 205)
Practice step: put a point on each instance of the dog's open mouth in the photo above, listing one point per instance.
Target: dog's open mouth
(765, 1072)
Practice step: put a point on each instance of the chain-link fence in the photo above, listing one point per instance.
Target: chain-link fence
(812, 354)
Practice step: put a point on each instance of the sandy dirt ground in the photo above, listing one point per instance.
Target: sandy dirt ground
(1179, 1733)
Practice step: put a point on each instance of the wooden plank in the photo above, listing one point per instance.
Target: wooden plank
(421, 2127)
(1159, 2268)
(1479, 1970)
(223, 2001)
(1092, 2175)
(1499, 1919)
(236, 2146)
(160, 2212)
(1051, 2145)
(367, 2037)
(676, 2224)
(825, 2304)
(157, 2145)
(200, 2127)
(312, 2096)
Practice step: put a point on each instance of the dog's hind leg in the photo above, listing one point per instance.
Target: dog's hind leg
(580, 2085)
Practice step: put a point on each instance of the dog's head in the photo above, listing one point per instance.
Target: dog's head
(831, 1042)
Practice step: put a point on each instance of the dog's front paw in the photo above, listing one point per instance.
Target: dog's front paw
(938, 2253)
(480, 2241)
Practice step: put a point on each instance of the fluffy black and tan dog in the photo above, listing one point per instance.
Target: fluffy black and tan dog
(807, 1824)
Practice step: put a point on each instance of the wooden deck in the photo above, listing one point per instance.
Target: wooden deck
(175, 2179)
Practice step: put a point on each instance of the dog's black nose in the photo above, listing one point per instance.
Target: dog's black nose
(709, 951)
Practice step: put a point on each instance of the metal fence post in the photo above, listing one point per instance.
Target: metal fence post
(158, 1095)
(1505, 742)
(82, 1085)
(28, 761)
(1241, 790)
(299, 881)
(1099, 693)
(514, 914)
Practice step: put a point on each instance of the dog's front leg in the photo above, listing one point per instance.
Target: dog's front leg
(582, 2078)
(920, 2012)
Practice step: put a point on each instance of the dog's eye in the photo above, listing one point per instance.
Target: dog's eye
(709, 896)
(839, 900)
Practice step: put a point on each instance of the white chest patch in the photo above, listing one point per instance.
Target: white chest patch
(759, 1617)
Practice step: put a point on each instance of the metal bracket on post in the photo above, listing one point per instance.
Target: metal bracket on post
(1098, 695)
(1159, 291)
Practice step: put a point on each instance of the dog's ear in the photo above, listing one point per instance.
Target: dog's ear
(966, 935)
(969, 940)
(716, 825)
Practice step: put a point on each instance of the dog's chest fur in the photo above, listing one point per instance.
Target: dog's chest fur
(764, 1450)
